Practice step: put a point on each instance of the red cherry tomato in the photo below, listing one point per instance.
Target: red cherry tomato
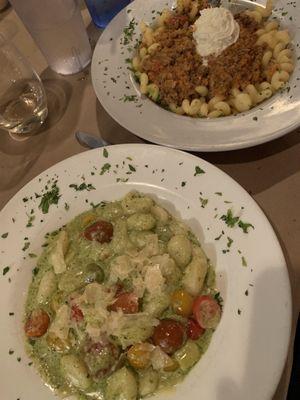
(102, 231)
(169, 335)
(37, 324)
(207, 311)
(76, 313)
(127, 302)
(194, 330)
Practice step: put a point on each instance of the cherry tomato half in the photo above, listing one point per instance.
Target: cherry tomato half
(207, 311)
(194, 330)
(169, 335)
(102, 231)
(182, 303)
(127, 302)
(37, 324)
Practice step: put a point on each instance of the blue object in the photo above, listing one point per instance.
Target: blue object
(103, 11)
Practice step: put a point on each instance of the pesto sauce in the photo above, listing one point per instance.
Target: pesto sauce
(80, 254)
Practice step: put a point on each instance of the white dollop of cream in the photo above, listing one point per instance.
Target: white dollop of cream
(214, 31)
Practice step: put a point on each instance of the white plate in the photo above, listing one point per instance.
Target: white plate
(112, 80)
(248, 350)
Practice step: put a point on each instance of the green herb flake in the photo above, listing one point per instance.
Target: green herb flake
(105, 168)
(31, 218)
(229, 241)
(35, 271)
(245, 226)
(203, 202)
(229, 219)
(18, 359)
(132, 168)
(105, 153)
(48, 198)
(183, 184)
(198, 171)
(244, 262)
(239, 311)
(218, 298)
(11, 314)
(5, 270)
(127, 98)
(82, 186)
(219, 237)
(128, 32)
(4, 235)
(26, 245)
(247, 293)
(32, 255)
(219, 193)
(10, 352)
(67, 206)
(255, 118)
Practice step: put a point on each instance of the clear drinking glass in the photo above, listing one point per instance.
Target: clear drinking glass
(23, 105)
(58, 29)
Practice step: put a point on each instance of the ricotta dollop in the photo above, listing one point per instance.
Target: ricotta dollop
(214, 31)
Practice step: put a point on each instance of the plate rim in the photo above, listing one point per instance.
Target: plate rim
(240, 188)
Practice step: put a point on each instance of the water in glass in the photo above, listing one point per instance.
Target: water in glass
(23, 105)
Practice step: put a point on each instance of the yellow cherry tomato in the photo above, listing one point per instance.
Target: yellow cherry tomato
(182, 303)
(139, 355)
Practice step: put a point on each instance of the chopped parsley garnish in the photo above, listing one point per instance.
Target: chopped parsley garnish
(244, 262)
(219, 193)
(11, 314)
(31, 218)
(105, 153)
(18, 359)
(4, 235)
(131, 167)
(5, 270)
(229, 219)
(128, 32)
(255, 118)
(219, 237)
(67, 206)
(35, 271)
(10, 352)
(124, 180)
(229, 241)
(132, 97)
(239, 311)
(32, 255)
(219, 298)
(247, 293)
(245, 226)
(105, 168)
(183, 184)
(48, 198)
(203, 201)
(26, 245)
(198, 171)
(82, 186)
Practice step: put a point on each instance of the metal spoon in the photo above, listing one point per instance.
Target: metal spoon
(90, 141)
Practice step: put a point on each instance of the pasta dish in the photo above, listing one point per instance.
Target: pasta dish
(122, 302)
(206, 62)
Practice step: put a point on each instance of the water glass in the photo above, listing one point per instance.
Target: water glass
(103, 11)
(58, 29)
(23, 105)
